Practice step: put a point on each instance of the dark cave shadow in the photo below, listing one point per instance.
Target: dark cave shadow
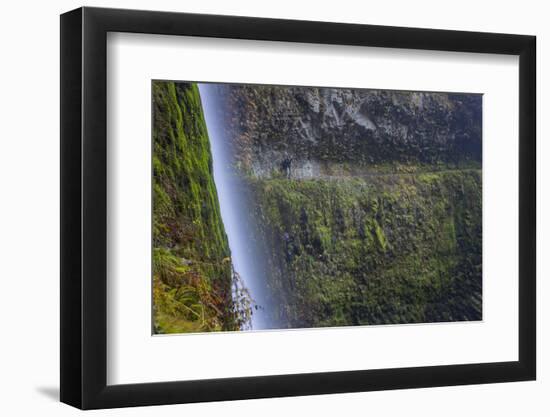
(50, 392)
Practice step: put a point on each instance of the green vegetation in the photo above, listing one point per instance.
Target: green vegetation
(192, 273)
(373, 250)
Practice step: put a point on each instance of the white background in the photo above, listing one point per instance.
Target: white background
(133, 60)
(29, 220)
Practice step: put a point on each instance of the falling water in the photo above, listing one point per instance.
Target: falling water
(235, 208)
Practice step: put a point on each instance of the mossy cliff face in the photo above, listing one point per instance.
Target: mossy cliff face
(378, 220)
(386, 249)
(191, 257)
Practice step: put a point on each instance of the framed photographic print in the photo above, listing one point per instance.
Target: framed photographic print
(256, 208)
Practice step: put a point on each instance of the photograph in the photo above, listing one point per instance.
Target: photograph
(295, 207)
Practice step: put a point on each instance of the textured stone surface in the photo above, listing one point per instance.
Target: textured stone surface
(319, 126)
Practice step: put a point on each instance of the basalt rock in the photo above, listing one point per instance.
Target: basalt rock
(321, 127)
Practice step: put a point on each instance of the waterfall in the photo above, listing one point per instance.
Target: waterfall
(235, 209)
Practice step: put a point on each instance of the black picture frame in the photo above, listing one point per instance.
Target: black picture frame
(84, 207)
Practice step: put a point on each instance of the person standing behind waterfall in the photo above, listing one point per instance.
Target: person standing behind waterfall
(286, 167)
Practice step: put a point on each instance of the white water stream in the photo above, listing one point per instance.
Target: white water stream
(234, 207)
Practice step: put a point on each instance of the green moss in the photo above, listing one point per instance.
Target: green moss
(191, 274)
(375, 250)
(380, 236)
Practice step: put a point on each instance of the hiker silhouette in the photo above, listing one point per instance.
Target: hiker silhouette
(286, 167)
